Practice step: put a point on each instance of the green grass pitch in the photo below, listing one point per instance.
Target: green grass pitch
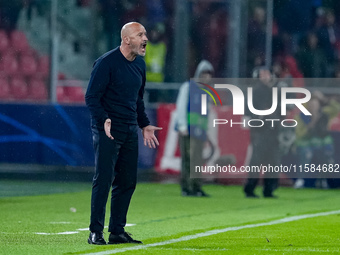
(160, 214)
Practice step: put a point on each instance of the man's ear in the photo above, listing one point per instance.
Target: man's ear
(126, 40)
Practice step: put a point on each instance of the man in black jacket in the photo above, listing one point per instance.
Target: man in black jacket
(115, 100)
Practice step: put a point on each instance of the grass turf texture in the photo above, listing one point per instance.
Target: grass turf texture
(160, 214)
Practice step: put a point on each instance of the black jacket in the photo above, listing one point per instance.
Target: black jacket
(116, 90)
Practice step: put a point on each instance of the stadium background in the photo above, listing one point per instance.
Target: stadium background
(47, 49)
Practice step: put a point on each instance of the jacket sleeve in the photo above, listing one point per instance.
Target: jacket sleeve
(182, 108)
(100, 78)
(142, 119)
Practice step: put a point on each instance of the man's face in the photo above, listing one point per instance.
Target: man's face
(205, 77)
(138, 40)
(265, 76)
(330, 19)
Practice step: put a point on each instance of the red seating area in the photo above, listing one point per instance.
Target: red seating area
(20, 75)
(24, 74)
(71, 92)
(4, 88)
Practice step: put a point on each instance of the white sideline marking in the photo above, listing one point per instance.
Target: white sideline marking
(301, 249)
(61, 233)
(73, 232)
(216, 231)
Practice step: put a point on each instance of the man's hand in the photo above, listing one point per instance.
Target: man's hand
(107, 128)
(149, 136)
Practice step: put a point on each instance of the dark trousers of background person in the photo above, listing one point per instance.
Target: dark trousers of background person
(116, 167)
(191, 154)
(265, 151)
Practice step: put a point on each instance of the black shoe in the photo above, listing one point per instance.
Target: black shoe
(251, 195)
(186, 193)
(96, 238)
(122, 238)
(200, 193)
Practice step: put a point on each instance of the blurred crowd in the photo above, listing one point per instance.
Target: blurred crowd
(306, 33)
(306, 38)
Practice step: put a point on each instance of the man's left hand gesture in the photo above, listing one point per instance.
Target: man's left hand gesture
(149, 136)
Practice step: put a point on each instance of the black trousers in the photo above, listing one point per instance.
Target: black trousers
(116, 167)
(265, 151)
(191, 154)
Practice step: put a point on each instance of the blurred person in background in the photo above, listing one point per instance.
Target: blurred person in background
(115, 99)
(294, 17)
(256, 38)
(314, 143)
(156, 57)
(192, 135)
(264, 140)
(286, 69)
(329, 36)
(155, 62)
(311, 59)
